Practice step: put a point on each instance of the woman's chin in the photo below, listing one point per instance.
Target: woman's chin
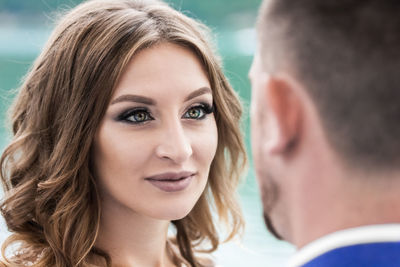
(172, 214)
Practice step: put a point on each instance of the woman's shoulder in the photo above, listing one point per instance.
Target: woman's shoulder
(207, 262)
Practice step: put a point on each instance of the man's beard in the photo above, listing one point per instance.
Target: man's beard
(268, 188)
(270, 226)
(270, 195)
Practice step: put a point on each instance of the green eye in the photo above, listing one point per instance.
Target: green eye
(135, 116)
(196, 113)
(139, 116)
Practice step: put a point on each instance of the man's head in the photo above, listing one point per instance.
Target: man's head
(326, 98)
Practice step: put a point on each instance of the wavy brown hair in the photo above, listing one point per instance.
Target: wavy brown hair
(51, 203)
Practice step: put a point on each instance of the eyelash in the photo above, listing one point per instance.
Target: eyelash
(205, 109)
(124, 116)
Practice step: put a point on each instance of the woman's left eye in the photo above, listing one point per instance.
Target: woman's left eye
(198, 112)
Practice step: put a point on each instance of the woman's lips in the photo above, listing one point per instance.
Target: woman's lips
(172, 181)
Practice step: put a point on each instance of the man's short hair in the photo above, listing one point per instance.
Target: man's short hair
(346, 53)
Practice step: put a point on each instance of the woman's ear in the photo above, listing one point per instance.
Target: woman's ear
(285, 113)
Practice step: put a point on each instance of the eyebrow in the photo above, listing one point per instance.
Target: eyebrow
(151, 102)
(134, 98)
(198, 92)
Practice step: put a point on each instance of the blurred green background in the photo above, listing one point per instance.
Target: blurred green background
(24, 27)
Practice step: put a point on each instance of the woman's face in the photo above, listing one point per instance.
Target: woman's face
(155, 144)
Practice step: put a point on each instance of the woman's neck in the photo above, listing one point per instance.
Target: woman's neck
(132, 239)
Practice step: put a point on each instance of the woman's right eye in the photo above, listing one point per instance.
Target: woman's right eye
(135, 116)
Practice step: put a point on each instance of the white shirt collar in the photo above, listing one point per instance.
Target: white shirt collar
(348, 237)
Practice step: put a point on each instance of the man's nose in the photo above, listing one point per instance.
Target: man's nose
(174, 143)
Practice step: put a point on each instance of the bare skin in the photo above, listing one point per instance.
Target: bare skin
(317, 192)
(153, 153)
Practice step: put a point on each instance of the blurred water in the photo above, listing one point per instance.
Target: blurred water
(18, 48)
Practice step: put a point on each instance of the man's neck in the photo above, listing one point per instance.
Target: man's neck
(345, 205)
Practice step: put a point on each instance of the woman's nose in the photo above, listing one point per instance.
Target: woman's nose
(174, 144)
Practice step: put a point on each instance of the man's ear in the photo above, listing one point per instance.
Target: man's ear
(285, 113)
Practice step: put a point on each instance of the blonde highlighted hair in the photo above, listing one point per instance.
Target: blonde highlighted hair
(51, 202)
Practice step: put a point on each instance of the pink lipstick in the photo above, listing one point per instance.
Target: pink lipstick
(171, 181)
